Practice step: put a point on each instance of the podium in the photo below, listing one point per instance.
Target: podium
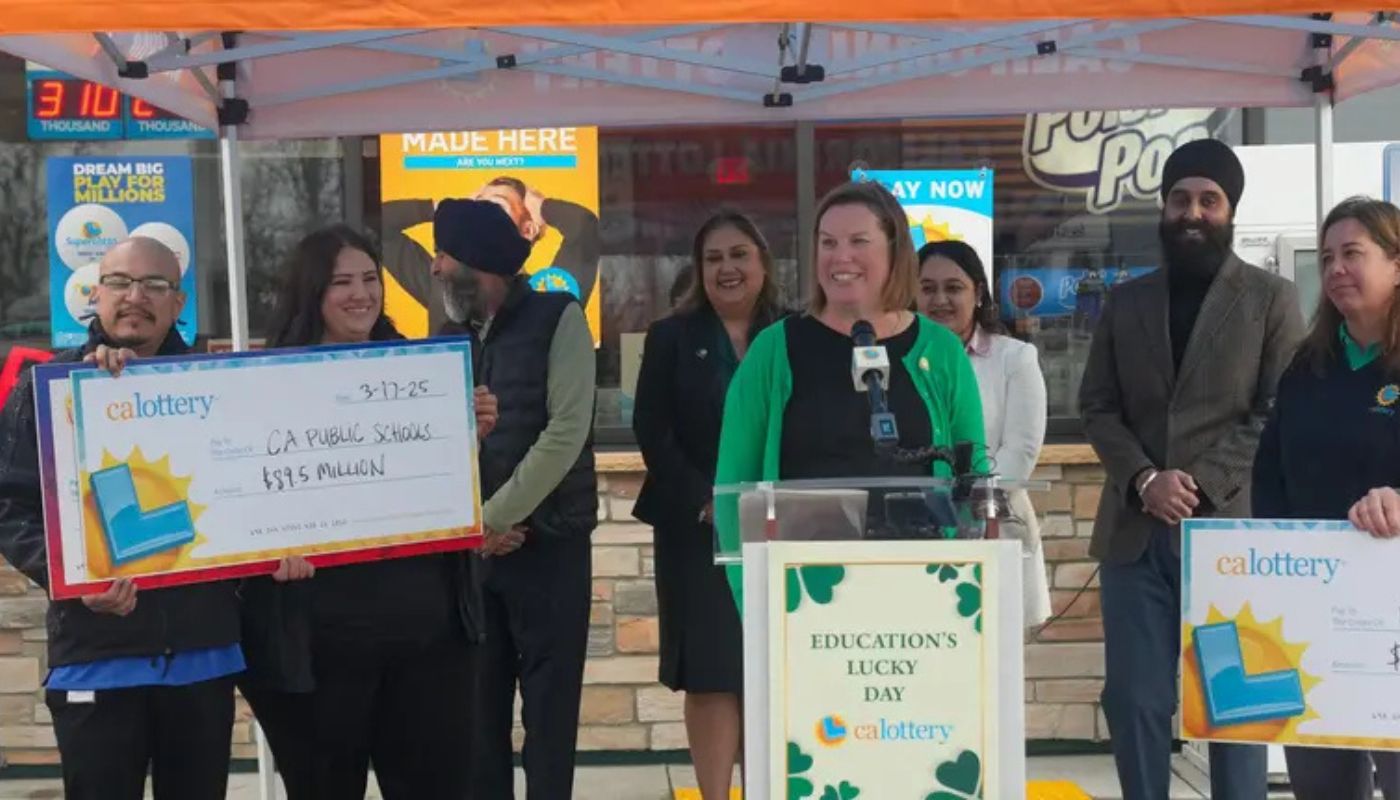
(882, 638)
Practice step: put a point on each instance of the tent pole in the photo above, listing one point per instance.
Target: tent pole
(1323, 138)
(231, 171)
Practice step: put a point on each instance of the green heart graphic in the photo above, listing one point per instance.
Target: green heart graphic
(977, 574)
(799, 788)
(798, 762)
(821, 582)
(969, 599)
(963, 774)
(794, 590)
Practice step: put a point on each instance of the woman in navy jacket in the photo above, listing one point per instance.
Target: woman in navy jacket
(687, 362)
(1332, 447)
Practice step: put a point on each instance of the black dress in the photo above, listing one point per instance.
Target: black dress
(826, 425)
(687, 363)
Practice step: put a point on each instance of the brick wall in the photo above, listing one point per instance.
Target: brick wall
(623, 706)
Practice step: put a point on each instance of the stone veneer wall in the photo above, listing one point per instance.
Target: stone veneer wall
(623, 706)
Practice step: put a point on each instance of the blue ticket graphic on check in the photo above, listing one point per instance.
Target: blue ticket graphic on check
(1290, 634)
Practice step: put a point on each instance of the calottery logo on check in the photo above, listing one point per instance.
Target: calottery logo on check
(1279, 564)
(154, 406)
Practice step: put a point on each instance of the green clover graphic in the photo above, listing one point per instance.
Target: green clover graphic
(798, 762)
(969, 592)
(817, 581)
(843, 792)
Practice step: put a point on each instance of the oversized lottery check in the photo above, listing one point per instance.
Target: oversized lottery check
(211, 467)
(1290, 634)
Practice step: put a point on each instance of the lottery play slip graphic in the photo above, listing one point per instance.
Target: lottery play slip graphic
(210, 467)
(1289, 634)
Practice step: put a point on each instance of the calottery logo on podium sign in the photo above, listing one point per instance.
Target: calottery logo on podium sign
(884, 678)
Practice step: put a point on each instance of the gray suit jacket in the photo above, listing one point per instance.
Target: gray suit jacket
(1139, 412)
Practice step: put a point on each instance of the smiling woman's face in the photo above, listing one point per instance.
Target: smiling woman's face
(732, 269)
(354, 298)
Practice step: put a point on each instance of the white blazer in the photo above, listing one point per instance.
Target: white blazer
(1013, 412)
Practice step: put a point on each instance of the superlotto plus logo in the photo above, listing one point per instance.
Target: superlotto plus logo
(155, 406)
(1258, 563)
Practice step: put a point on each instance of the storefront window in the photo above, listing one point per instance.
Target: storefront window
(1068, 224)
(289, 188)
(657, 187)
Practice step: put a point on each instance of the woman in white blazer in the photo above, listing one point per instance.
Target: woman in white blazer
(954, 292)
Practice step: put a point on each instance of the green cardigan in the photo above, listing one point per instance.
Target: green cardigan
(750, 445)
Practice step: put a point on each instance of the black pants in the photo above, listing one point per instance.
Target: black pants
(1142, 645)
(1316, 773)
(405, 708)
(536, 604)
(287, 724)
(181, 734)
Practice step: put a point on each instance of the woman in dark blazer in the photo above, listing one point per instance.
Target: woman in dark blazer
(687, 362)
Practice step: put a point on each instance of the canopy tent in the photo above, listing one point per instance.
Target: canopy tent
(296, 84)
(49, 16)
(302, 68)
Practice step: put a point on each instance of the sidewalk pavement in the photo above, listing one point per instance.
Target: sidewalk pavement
(1093, 775)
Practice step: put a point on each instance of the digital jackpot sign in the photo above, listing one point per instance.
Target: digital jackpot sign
(64, 108)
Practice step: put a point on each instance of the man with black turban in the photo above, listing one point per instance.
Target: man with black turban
(1180, 378)
(535, 353)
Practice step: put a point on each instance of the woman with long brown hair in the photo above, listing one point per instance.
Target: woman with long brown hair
(1332, 447)
(687, 362)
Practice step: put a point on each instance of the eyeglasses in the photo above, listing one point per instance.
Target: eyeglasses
(152, 285)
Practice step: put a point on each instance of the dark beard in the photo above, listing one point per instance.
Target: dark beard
(1198, 258)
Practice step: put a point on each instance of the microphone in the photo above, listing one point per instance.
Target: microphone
(870, 372)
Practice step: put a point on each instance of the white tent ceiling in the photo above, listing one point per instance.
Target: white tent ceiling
(367, 82)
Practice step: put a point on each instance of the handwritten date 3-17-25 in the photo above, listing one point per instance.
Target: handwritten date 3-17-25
(386, 390)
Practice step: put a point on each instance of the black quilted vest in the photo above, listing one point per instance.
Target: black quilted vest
(513, 361)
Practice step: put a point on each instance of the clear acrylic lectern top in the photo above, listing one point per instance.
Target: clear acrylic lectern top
(861, 509)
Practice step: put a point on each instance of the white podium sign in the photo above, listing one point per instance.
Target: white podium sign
(884, 669)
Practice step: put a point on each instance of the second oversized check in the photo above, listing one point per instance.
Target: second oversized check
(1290, 634)
(193, 465)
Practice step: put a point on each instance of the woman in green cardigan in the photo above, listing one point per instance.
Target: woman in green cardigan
(791, 412)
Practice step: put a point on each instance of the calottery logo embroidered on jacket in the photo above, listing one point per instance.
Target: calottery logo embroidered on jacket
(1386, 398)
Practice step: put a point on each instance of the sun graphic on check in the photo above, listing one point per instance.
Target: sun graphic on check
(156, 488)
(1256, 689)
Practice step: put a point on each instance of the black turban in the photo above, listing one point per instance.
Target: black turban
(481, 235)
(1210, 159)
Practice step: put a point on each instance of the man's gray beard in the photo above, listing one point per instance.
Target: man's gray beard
(452, 306)
(462, 302)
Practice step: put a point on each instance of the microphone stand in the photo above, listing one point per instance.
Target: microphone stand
(987, 502)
